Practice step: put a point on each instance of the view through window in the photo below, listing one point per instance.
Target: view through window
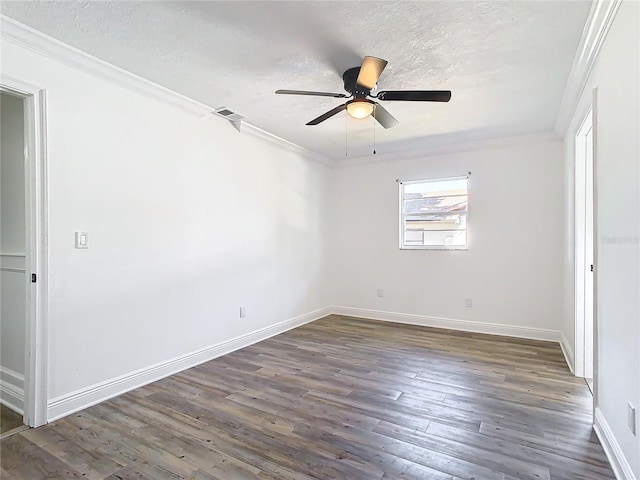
(433, 214)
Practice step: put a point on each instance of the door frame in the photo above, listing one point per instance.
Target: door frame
(580, 239)
(594, 122)
(36, 251)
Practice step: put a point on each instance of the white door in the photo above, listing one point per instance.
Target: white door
(584, 251)
(588, 258)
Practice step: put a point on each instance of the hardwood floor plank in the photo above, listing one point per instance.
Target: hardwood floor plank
(399, 454)
(5, 475)
(520, 451)
(400, 415)
(91, 466)
(491, 459)
(283, 450)
(24, 459)
(129, 473)
(9, 419)
(339, 398)
(214, 439)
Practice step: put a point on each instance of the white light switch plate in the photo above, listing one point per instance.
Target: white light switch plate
(82, 240)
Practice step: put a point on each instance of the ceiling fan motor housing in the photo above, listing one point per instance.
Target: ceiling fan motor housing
(350, 78)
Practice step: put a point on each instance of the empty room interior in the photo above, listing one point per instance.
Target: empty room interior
(320, 240)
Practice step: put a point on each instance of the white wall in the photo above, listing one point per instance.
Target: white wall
(12, 250)
(187, 219)
(510, 270)
(12, 196)
(616, 75)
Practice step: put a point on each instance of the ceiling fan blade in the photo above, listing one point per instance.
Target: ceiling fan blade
(329, 114)
(314, 94)
(370, 71)
(383, 117)
(415, 95)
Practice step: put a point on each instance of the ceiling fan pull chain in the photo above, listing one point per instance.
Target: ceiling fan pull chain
(374, 129)
(346, 136)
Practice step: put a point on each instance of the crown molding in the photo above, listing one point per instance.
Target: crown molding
(56, 50)
(451, 148)
(38, 42)
(594, 33)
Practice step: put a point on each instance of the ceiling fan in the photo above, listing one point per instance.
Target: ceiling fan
(358, 82)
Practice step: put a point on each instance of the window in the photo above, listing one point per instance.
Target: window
(433, 214)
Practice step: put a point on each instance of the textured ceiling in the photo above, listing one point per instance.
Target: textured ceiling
(506, 62)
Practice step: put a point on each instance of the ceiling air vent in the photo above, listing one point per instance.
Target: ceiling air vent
(234, 118)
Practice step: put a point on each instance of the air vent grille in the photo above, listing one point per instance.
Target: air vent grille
(229, 114)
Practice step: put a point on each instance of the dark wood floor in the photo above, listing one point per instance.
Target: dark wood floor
(339, 398)
(9, 419)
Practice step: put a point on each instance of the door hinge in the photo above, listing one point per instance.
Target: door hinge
(33, 278)
(592, 268)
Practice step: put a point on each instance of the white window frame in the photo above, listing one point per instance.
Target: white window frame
(401, 215)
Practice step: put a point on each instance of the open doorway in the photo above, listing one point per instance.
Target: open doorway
(13, 247)
(584, 251)
(22, 256)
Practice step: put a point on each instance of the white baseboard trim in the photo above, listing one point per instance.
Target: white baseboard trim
(452, 324)
(12, 390)
(72, 402)
(611, 447)
(567, 351)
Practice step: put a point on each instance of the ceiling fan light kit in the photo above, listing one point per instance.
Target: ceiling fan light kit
(359, 108)
(358, 82)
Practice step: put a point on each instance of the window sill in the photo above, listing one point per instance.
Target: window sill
(434, 247)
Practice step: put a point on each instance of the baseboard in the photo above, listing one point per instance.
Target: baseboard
(452, 324)
(72, 402)
(12, 390)
(611, 447)
(567, 351)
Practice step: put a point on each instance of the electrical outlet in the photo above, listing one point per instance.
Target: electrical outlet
(243, 312)
(468, 302)
(380, 292)
(631, 418)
